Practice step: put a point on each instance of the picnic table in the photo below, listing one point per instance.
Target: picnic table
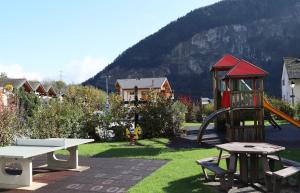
(249, 155)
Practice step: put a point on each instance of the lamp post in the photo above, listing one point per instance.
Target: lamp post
(293, 95)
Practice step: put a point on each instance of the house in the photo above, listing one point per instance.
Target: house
(7, 99)
(206, 101)
(126, 87)
(38, 88)
(290, 74)
(16, 83)
(50, 91)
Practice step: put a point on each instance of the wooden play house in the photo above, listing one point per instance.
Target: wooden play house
(238, 88)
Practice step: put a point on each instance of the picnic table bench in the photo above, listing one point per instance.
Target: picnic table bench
(289, 168)
(212, 164)
(23, 151)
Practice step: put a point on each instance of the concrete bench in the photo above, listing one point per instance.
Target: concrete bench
(24, 150)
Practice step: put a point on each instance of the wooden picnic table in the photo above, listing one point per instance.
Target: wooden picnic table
(250, 154)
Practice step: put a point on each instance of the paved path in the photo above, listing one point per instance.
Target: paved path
(106, 175)
(289, 137)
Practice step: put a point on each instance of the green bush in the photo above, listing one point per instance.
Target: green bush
(74, 116)
(199, 116)
(111, 124)
(297, 110)
(190, 115)
(28, 102)
(208, 109)
(160, 116)
(57, 119)
(282, 106)
(11, 126)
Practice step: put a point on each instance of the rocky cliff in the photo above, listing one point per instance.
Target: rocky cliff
(260, 31)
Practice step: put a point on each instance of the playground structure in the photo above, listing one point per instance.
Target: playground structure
(239, 103)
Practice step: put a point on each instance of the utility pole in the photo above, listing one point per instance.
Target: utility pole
(107, 96)
(60, 74)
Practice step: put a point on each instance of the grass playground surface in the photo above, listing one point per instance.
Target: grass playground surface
(180, 174)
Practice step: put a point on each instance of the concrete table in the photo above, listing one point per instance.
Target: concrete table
(25, 149)
(250, 151)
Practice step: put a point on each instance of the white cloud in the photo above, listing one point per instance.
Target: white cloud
(78, 71)
(17, 71)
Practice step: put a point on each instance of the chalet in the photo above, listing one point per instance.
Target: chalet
(16, 83)
(290, 80)
(6, 99)
(50, 91)
(38, 88)
(125, 87)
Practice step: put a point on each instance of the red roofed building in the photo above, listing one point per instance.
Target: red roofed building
(245, 69)
(225, 63)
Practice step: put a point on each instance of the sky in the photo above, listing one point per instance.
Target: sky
(75, 39)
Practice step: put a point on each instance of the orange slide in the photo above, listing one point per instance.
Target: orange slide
(279, 113)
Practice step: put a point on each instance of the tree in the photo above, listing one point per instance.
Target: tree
(89, 100)
(58, 85)
(28, 102)
(3, 75)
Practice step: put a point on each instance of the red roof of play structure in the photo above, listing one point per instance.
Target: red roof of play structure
(245, 69)
(225, 63)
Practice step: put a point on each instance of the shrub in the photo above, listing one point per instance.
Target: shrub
(159, 116)
(199, 116)
(297, 110)
(10, 127)
(190, 115)
(282, 106)
(111, 123)
(28, 102)
(208, 109)
(57, 119)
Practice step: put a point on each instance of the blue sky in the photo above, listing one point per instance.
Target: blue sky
(38, 39)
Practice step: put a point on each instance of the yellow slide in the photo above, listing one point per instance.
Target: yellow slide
(279, 113)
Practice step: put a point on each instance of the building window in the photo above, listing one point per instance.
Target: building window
(283, 83)
(131, 93)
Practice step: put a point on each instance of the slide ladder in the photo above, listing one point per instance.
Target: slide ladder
(272, 122)
(281, 114)
(207, 120)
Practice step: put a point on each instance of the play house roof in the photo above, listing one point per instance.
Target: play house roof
(225, 63)
(245, 69)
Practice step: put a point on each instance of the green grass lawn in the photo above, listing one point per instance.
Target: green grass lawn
(186, 124)
(179, 175)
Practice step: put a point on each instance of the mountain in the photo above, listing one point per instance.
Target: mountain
(260, 31)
